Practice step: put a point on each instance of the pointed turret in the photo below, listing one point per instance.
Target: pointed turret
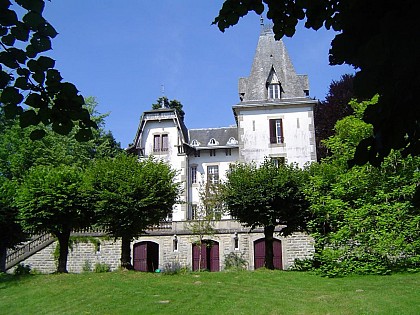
(273, 76)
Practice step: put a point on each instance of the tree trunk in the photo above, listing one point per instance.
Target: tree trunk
(63, 242)
(269, 255)
(3, 252)
(126, 253)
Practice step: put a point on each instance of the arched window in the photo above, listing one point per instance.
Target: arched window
(232, 141)
(195, 143)
(213, 142)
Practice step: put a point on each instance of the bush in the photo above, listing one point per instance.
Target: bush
(87, 266)
(102, 267)
(306, 264)
(174, 267)
(235, 262)
(22, 269)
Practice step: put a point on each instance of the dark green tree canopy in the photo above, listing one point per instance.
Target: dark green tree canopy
(131, 196)
(266, 195)
(164, 102)
(379, 39)
(32, 89)
(55, 200)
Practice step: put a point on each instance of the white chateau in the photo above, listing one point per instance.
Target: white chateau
(274, 119)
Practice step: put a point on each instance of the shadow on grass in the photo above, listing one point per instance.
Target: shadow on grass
(8, 280)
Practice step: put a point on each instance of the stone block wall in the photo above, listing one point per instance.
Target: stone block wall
(107, 251)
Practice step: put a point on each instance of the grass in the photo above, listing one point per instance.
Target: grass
(258, 292)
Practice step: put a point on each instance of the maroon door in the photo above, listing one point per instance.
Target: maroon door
(259, 254)
(209, 256)
(146, 256)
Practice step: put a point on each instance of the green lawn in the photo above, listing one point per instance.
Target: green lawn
(259, 292)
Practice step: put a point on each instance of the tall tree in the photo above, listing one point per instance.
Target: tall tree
(375, 37)
(54, 200)
(131, 196)
(18, 153)
(364, 220)
(27, 76)
(267, 196)
(11, 232)
(164, 102)
(333, 108)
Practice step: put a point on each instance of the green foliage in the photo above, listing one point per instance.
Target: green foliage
(375, 37)
(101, 267)
(306, 264)
(363, 220)
(22, 270)
(87, 266)
(175, 268)
(18, 153)
(164, 102)
(11, 232)
(266, 195)
(131, 195)
(235, 262)
(32, 89)
(55, 200)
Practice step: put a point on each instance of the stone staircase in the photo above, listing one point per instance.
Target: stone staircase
(39, 242)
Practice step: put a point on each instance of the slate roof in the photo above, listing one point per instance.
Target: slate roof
(271, 54)
(221, 135)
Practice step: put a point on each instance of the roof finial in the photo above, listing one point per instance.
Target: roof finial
(261, 21)
(163, 95)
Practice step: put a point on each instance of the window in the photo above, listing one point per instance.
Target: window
(175, 243)
(212, 152)
(274, 91)
(160, 143)
(232, 141)
(228, 152)
(195, 143)
(213, 142)
(236, 241)
(277, 161)
(193, 174)
(213, 174)
(193, 212)
(276, 131)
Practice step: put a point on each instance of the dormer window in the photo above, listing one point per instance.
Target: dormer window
(213, 142)
(273, 85)
(232, 141)
(195, 143)
(274, 91)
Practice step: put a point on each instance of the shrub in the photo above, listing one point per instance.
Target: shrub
(174, 267)
(306, 264)
(87, 266)
(102, 267)
(235, 261)
(22, 269)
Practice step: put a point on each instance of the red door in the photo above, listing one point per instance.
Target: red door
(209, 256)
(146, 256)
(259, 254)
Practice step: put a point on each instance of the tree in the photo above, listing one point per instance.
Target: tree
(267, 196)
(11, 232)
(54, 200)
(375, 37)
(333, 108)
(18, 153)
(163, 102)
(363, 219)
(208, 210)
(131, 196)
(27, 76)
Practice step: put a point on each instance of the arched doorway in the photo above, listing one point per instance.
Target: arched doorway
(146, 256)
(209, 251)
(259, 254)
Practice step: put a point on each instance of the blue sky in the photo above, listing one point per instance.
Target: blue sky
(122, 52)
